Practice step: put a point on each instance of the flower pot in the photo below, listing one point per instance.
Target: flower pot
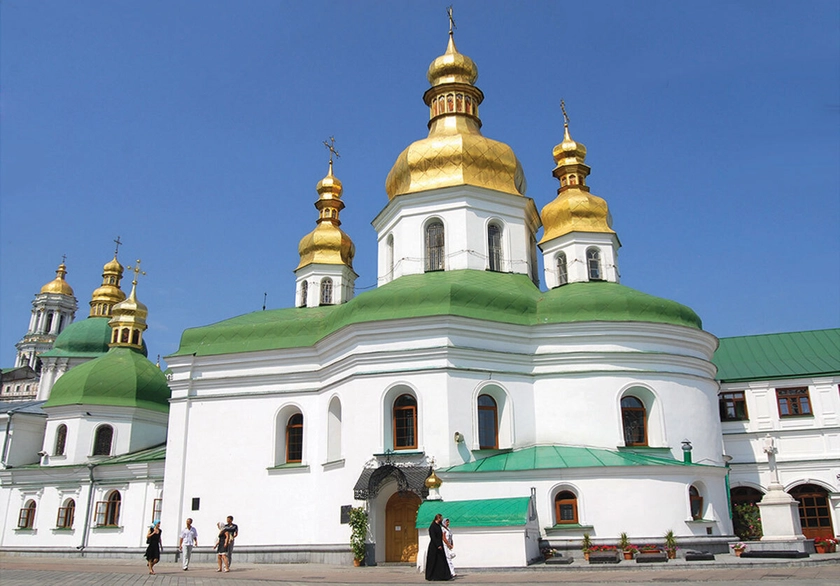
(821, 547)
(628, 555)
(356, 562)
(586, 555)
(738, 552)
(672, 554)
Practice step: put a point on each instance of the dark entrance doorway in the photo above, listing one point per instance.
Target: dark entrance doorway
(813, 510)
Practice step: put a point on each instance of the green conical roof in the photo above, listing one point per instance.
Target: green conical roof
(122, 378)
(84, 338)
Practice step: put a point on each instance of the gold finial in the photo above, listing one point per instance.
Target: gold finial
(136, 269)
(117, 248)
(451, 20)
(331, 147)
(565, 116)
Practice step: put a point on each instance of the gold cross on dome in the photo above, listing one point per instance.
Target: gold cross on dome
(451, 19)
(331, 147)
(136, 269)
(565, 116)
(117, 249)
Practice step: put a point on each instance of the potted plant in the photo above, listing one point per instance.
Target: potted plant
(358, 534)
(738, 548)
(822, 545)
(630, 552)
(649, 548)
(624, 544)
(586, 545)
(671, 544)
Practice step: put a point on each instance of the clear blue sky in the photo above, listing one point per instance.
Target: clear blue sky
(194, 129)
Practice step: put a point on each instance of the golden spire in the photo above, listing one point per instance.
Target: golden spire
(327, 243)
(109, 294)
(59, 285)
(129, 317)
(574, 209)
(455, 152)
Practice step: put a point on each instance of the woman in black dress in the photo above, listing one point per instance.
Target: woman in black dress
(153, 549)
(437, 568)
(222, 544)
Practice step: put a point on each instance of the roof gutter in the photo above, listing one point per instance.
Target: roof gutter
(88, 513)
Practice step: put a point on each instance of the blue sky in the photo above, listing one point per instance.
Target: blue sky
(194, 129)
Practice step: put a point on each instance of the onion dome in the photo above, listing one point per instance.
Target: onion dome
(327, 243)
(129, 318)
(121, 378)
(109, 294)
(433, 481)
(455, 152)
(58, 285)
(574, 209)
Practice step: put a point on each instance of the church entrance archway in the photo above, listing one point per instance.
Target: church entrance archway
(813, 511)
(400, 531)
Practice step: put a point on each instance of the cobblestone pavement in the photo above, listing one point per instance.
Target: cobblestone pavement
(16, 570)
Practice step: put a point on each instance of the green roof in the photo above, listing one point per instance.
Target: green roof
(777, 356)
(123, 378)
(478, 513)
(496, 297)
(556, 457)
(152, 454)
(86, 338)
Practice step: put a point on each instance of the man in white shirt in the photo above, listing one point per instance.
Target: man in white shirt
(188, 540)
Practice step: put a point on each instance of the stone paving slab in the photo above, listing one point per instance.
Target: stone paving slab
(47, 571)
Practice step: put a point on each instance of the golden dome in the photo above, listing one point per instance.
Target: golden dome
(455, 152)
(129, 317)
(105, 297)
(433, 481)
(59, 285)
(574, 209)
(327, 243)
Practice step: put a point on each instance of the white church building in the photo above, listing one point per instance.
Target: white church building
(587, 408)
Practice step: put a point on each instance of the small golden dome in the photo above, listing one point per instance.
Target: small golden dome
(59, 285)
(131, 307)
(106, 296)
(327, 243)
(455, 152)
(433, 481)
(113, 266)
(574, 209)
(452, 67)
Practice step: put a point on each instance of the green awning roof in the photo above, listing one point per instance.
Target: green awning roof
(478, 513)
(558, 457)
(776, 356)
(495, 297)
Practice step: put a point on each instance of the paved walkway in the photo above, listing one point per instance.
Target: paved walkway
(819, 570)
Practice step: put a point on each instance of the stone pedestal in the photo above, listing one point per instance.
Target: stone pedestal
(780, 516)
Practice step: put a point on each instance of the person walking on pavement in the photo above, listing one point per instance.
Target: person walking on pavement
(232, 530)
(186, 542)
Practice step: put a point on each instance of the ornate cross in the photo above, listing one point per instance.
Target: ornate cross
(136, 269)
(63, 258)
(117, 249)
(565, 116)
(331, 147)
(451, 19)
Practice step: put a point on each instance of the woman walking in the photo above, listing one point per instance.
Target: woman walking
(448, 544)
(222, 543)
(152, 554)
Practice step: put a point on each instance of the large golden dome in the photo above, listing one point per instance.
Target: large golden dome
(327, 243)
(574, 209)
(455, 152)
(59, 285)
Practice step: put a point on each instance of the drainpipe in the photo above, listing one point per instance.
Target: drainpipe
(82, 547)
(726, 460)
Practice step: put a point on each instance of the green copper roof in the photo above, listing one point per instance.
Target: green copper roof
(555, 457)
(122, 378)
(498, 297)
(775, 356)
(86, 338)
(478, 513)
(152, 454)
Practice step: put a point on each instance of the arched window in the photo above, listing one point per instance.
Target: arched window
(60, 440)
(434, 246)
(532, 257)
(102, 440)
(108, 511)
(562, 269)
(494, 247)
(389, 255)
(26, 518)
(814, 510)
(135, 337)
(50, 316)
(304, 292)
(66, 514)
(696, 503)
(405, 422)
(334, 430)
(124, 336)
(326, 291)
(593, 263)
(633, 418)
(488, 423)
(565, 508)
(114, 335)
(294, 438)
